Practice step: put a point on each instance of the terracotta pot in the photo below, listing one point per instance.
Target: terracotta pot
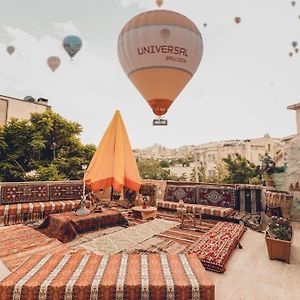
(278, 249)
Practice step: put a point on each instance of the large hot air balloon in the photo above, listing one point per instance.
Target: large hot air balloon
(159, 3)
(160, 51)
(293, 3)
(294, 44)
(72, 44)
(10, 50)
(237, 20)
(53, 62)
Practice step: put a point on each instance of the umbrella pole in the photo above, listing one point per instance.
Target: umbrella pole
(111, 193)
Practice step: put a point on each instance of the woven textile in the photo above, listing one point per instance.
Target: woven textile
(197, 208)
(28, 212)
(65, 191)
(174, 193)
(248, 198)
(122, 239)
(19, 242)
(215, 246)
(66, 226)
(215, 196)
(22, 193)
(123, 277)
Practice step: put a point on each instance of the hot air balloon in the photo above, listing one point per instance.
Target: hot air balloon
(296, 50)
(293, 3)
(237, 20)
(294, 44)
(290, 54)
(160, 51)
(53, 62)
(72, 44)
(10, 50)
(204, 24)
(159, 3)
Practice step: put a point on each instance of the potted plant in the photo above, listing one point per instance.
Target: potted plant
(279, 239)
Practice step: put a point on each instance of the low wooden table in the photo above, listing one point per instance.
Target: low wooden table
(144, 213)
(66, 226)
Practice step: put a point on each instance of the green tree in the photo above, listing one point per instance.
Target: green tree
(240, 170)
(46, 147)
(164, 164)
(151, 169)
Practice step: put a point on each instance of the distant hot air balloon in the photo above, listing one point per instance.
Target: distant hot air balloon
(158, 70)
(296, 50)
(72, 44)
(290, 54)
(159, 3)
(53, 62)
(10, 50)
(293, 3)
(237, 20)
(294, 44)
(204, 24)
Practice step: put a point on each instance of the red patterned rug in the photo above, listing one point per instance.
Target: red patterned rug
(215, 246)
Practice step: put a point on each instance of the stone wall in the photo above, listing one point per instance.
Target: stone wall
(290, 180)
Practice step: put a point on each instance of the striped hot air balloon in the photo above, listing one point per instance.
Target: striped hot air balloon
(53, 62)
(160, 52)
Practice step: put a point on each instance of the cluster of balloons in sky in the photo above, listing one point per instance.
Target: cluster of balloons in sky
(71, 43)
(159, 50)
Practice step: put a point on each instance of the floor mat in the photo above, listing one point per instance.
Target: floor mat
(19, 242)
(126, 238)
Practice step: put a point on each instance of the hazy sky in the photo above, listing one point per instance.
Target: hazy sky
(244, 83)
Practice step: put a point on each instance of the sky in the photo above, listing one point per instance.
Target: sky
(241, 90)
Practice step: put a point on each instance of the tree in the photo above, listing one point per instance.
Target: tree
(240, 170)
(151, 169)
(46, 147)
(198, 173)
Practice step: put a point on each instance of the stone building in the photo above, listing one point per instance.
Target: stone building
(17, 108)
(252, 149)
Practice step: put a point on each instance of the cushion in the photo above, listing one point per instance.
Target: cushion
(203, 209)
(119, 276)
(214, 247)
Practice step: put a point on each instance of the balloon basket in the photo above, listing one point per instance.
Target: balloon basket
(160, 122)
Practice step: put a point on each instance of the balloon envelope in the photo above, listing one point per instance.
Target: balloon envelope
(237, 20)
(72, 44)
(10, 50)
(53, 62)
(160, 52)
(294, 44)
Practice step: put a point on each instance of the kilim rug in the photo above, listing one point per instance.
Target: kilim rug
(19, 242)
(120, 240)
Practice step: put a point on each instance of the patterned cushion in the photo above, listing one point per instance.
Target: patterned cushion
(22, 212)
(215, 246)
(203, 209)
(119, 276)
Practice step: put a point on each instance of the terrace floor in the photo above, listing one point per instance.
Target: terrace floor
(249, 272)
(251, 275)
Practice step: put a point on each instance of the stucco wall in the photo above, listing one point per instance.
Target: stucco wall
(290, 180)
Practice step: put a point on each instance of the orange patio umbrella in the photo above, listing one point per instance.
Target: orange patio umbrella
(113, 164)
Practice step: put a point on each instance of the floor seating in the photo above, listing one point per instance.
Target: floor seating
(27, 202)
(215, 246)
(119, 276)
(197, 208)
